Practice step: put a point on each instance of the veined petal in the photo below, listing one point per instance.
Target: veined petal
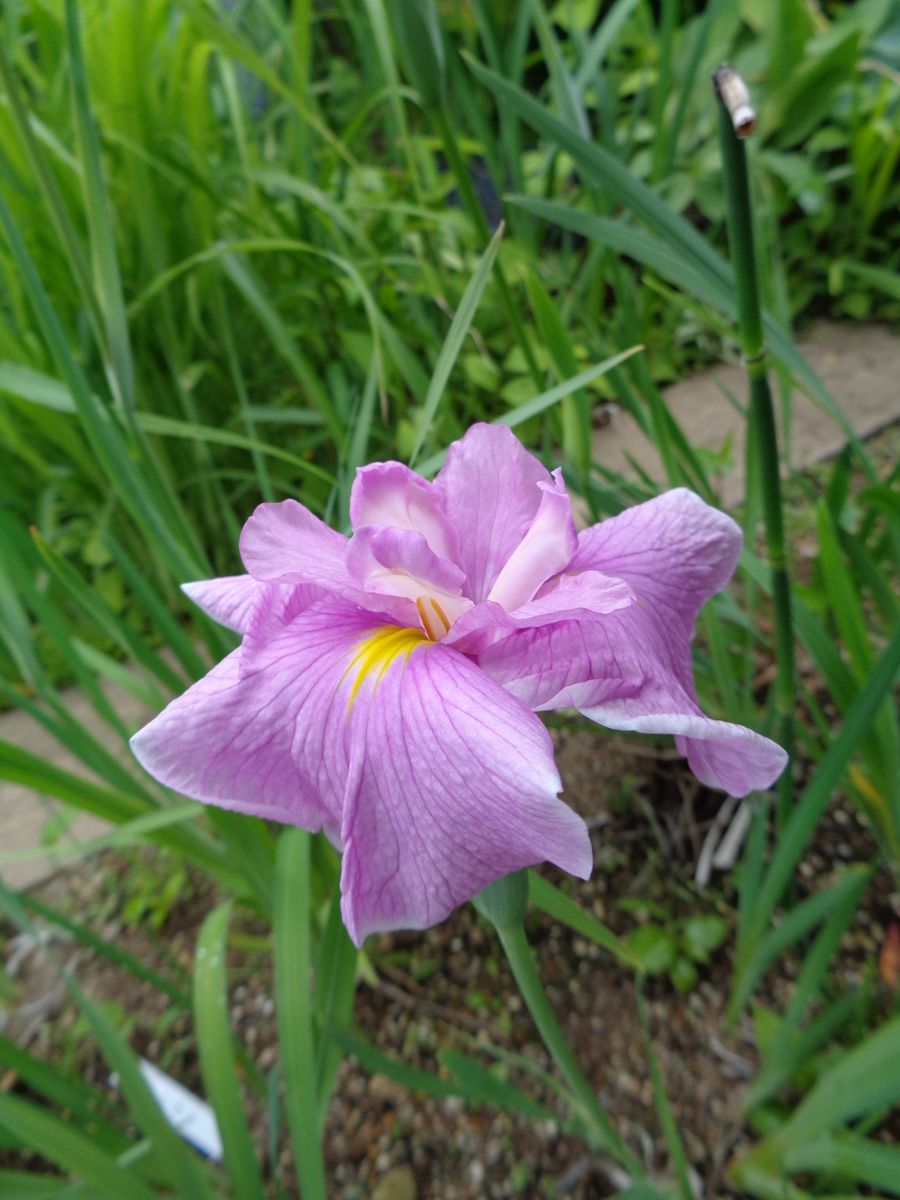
(249, 607)
(676, 551)
(731, 757)
(588, 594)
(545, 550)
(278, 605)
(632, 671)
(432, 779)
(452, 784)
(265, 731)
(376, 552)
(571, 599)
(389, 493)
(722, 755)
(288, 543)
(489, 486)
(230, 600)
(542, 664)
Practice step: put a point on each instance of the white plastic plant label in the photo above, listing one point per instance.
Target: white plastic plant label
(190, 1116)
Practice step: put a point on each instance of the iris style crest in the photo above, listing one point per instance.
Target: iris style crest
(386, 684)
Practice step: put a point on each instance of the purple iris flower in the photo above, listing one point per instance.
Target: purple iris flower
(386, 685)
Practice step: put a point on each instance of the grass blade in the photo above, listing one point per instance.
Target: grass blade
(870, 1163)
(217, 1060)
(69, 1149)
(335, 988)
(171, 1156)
(758, 956)
(815, 796)
(550, 900)
(865, 1079)
(109, 288)
(453, 342)
(293, 1004)
(531, 408)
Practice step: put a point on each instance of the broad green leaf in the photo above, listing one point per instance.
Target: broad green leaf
(703, 934)
(654, 947)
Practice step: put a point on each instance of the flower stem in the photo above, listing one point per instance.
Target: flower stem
(503, 903)
(762, 419)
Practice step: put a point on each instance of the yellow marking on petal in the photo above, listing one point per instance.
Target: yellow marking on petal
(441, 614)
(377, 651)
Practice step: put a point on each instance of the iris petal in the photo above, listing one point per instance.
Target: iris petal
(675, 550)
(632, 671)
(255, 735)
(287, 542)
(385, 684)
(229, 600)
(433, 781)
(489, 487)
(545, 550)
(392, 495)
(451, 784)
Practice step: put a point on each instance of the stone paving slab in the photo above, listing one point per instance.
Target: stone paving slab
(859, 363)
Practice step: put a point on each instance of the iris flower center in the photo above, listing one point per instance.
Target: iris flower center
(434, 620)
(377, 651)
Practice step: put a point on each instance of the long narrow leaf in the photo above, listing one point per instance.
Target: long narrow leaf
(171, 1156)
(109, 281)
(293, 1004)
(556, 904)
(605, 171)
(456, 335)
(217, 1060)
(71, 1150)
(815, 796)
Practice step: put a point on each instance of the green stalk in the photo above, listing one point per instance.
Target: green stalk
(663, 88)
(503, 903)
(663, 1107)
(762, 421)
(476, 216)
